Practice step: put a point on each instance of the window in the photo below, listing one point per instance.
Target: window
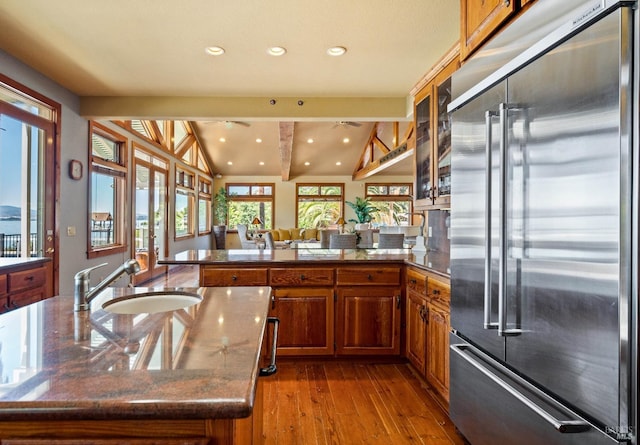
(319, 205)
(393, 203)
(185, 201)
(204, 206)
(107, 189)
(248, 201)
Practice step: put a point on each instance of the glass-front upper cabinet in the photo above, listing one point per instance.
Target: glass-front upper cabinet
(423, 148)
(433, 140)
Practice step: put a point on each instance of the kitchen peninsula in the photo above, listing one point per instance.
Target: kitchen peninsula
(189, 376)
(340, 303)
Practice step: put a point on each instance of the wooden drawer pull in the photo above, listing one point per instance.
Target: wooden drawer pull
(436, 292)
(413, 281)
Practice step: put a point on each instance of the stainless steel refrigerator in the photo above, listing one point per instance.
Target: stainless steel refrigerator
(544, 231)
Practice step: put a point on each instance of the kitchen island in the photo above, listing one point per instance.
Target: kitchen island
(188, 376)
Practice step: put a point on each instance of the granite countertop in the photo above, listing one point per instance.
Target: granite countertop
(201, 362)
(431, 261)
(10, 263)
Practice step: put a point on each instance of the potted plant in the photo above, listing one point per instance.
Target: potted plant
(363, 210)
(220, 211)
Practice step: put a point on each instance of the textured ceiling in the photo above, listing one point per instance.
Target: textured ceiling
(150, 55)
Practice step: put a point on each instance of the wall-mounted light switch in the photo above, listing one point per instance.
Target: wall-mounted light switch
(429, 231)
(71, 231)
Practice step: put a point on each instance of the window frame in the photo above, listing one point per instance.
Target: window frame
(185, 185)
(205, 189)
(253, 198)
(389, 197)
(320, 196)
(119, 171)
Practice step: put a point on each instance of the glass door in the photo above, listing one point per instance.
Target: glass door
(150, 224)
(27, 179)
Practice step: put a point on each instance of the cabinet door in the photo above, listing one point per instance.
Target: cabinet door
(438, 349)
(479, 20)
(306, 320)
(368, 321)
(442, 130)
(423, 158)
(416, 330)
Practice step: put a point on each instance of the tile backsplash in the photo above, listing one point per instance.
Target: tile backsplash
(438, 231)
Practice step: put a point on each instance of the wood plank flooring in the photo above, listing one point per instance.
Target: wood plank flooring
(342, 402)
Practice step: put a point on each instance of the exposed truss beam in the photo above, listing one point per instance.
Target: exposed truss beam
(367, 164)
(286, 147)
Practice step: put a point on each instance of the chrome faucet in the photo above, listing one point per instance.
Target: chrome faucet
(83, 295)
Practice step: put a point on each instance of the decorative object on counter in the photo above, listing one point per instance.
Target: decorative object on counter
(390, 240)
(343, 241)
(340, 223)
(365, 238)
(363, 210)
(220, 212)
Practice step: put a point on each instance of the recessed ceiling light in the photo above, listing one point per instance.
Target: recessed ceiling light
(258, 140)
(310, 141)
(345, 140)
(229, 163)
(336, 51)
(222, 140)
(307, 163)
(214, 50)
(338, 163)
(261, 162)
(276, 51)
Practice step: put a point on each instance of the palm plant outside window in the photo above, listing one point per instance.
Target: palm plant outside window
(319, 205)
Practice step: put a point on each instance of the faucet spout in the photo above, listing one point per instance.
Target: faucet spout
(83, 295)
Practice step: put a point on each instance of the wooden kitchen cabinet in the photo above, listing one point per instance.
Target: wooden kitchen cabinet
(433, 138)
(368, 320)
(437, 366)
(23, 285)
(306, 320)
(215, 276)
(479, 21)
(427, 328)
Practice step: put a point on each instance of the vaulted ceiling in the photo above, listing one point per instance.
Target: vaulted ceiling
(147, 59)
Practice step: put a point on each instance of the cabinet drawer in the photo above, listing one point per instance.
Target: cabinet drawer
(3, 284)
(233, 277)
(368, 276)
(301, 277)
(416, 282)
(437, 290)
(27, 279)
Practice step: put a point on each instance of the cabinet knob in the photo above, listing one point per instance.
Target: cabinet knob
(413, 281)
(369, 277)
(302, 277)
(234, 278)
(436, 292)
(507, 3)
(273, 301)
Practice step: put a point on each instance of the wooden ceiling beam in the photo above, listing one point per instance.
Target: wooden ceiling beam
(286, 148)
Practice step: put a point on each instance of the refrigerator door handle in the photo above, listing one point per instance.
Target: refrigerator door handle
(562, 426)
(503, 250)
(488, 324)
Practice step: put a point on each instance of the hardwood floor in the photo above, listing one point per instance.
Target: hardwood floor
(343, 402)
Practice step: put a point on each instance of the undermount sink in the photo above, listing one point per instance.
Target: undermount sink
(152, 302)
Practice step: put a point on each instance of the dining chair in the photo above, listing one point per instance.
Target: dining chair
(245, 242)
(325, 235)
(268, 241)
(343, 241)
(390, 240)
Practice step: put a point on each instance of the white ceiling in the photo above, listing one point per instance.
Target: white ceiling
(146, 58)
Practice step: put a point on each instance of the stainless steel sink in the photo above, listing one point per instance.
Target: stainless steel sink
(152, 302)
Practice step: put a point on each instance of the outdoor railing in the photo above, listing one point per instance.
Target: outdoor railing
(10, 245)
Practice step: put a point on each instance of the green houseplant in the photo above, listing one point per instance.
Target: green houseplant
(220, 212)
(363, 210)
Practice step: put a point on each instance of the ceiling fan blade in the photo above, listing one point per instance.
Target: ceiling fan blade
(348, 124)
(242, 124)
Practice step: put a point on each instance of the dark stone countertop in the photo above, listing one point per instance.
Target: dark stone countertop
(201, 362)
(431, 261)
